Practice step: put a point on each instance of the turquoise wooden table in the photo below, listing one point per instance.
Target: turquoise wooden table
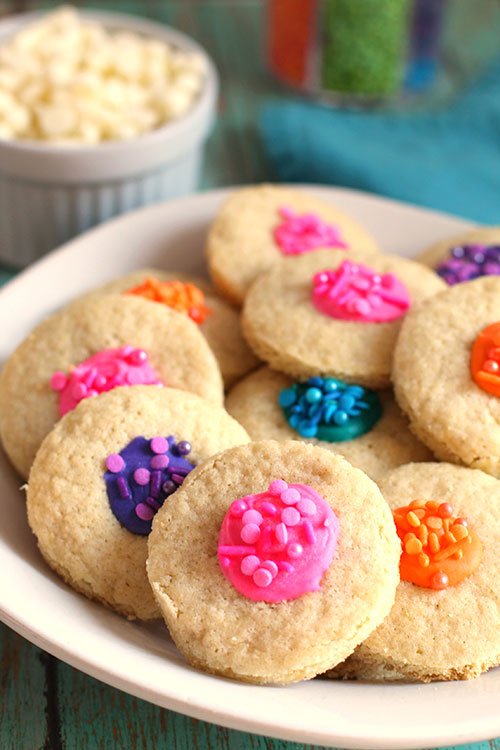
(44, 703)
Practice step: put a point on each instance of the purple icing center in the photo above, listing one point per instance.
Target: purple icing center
(467, 262)
(138, 489)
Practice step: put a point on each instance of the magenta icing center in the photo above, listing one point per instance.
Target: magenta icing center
(277, 545)
(358, 293)
(298, 234)
(103, 372)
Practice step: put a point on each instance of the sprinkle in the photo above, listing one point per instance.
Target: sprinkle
(290, 496)
(152, 503)
(177, 478)
(309, 531)
(294, 549)
(144, 512)
(141, 476)
(413, 519)
(249, 564)
(58, 381)
(250, 533)
(159, 445)
(156, 478)
(123, 488)
(306, 507)
(115, 463)
(159, 462)
(183, 447)
(262, 577)
(237, 508)
(252, 517)
(277, 487)
(281, 533)
(290, 516)
(268, 508)
(271, 566)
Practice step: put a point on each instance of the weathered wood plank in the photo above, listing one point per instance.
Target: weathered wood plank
(23, 719)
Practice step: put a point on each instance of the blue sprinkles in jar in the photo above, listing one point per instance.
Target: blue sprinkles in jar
(329, 409)
(467, 262)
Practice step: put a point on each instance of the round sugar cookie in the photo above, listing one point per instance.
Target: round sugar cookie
(465, 256)
(149, 344)
(285, 327)
(273, 561)
(433, 383)
(258, 225)
(255, 403)
(451, 633)
(102, 473)
(221, 326)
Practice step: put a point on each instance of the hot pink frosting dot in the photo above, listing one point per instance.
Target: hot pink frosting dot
(272, 561)
(102, 372)
(358, 293)
(299, 234)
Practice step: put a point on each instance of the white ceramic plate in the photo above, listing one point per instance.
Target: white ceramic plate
(141, 659)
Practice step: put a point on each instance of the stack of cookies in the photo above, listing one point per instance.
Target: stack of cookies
(340, 514)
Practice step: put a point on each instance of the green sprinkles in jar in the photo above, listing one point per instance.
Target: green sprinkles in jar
(364, 44)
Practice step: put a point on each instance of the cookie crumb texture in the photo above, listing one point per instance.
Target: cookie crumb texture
(284, 328)
(241, 243)
(254, 403)
(68, 507)
(177, 352)
(458, 420)
(221, 631)
(453, 634)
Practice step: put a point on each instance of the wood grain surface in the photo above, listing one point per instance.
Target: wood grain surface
(44, 703)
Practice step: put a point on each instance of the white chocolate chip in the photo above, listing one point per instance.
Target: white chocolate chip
(67, 80)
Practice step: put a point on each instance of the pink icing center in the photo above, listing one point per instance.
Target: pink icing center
(277, 545)
(103, 372)
(299, 234)
(356, 292)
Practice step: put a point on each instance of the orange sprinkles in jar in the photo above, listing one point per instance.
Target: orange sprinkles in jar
(180, 296)
(438, 549)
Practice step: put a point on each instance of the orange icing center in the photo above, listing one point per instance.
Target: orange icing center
(438, 549)
(180, 296)
(485, 360)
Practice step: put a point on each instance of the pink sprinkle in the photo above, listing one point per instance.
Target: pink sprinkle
(138, 357)
(78, 391)
(144, 512)
(295, 549)
(262, 578)
(134, 377)
(285, 566)
(238, 508)
(58, 381)
(159, 462)
(268, 508)
(281, 533)
(249, 565)
(141, 476)
(91, 393)
(225, 562)
(159, 445)
(290, 496)
(99, 382)
(307, 507)
(356, 292)
(290, 516)
(232, 550)
(114, 463)
(271, 566)
(277, 487)
(252, 516)
(299, 234)
(309, 531)
(250, 533)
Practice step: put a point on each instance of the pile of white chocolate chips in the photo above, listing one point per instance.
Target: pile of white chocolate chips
(67, 80)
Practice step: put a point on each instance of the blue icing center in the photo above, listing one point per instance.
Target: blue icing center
(329, 409)
(141, 477)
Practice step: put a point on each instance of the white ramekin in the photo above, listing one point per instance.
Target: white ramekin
(49, 194)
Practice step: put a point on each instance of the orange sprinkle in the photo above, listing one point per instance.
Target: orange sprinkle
(459, 531)
(434, 544)
(486, 340)
(438, 549)
(433, 522)
(412, 519)
(423, 560)
(180, 296)
(413, 547)
(423, 534)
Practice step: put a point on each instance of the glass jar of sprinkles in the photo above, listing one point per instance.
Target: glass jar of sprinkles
(355, 51)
